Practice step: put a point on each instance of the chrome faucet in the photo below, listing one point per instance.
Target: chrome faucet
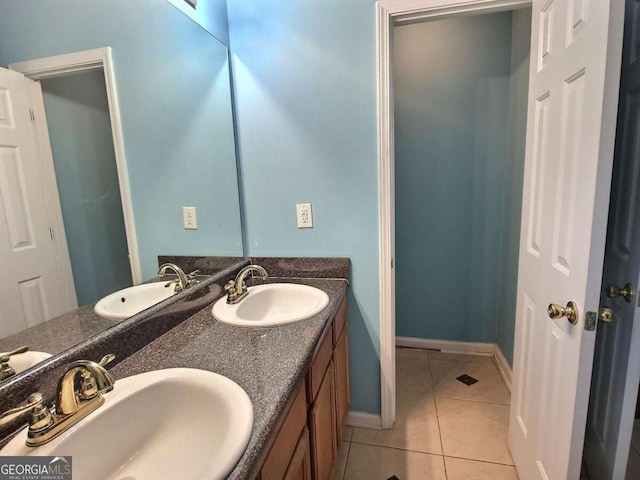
(72, 405)
(7, 370)
(184, 280)
(237, 289)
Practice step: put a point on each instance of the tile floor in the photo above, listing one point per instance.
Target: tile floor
(633, 465)
(444, 429)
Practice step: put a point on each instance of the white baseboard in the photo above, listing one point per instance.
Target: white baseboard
(447, 346)
(503, 366)
(364, 420)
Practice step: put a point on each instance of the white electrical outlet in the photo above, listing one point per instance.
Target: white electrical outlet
(189, 218)
(305, 217)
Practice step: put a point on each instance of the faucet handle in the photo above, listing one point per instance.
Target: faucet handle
(35, 404)
(191, 277)
(107, 359)
(17, 351)
(6, 370)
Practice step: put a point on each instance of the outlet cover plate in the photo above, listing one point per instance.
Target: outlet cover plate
(304, 215)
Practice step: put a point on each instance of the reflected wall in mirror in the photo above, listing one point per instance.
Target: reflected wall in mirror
(174, 96)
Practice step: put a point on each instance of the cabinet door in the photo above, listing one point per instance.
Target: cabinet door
(343, 394)
(285, 444)
(300, 466)
(322, 419)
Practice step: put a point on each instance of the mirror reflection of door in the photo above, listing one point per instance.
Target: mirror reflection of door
(30, 292)
(77, 114)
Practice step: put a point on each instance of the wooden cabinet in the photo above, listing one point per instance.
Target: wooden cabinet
(343, 394)
(300, 466)
(285, 444)
(307, 443)
(322, 424)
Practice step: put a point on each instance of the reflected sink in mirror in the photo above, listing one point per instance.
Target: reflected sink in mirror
(27, 360)
(272, 304)
(129, 301)
(165, 424)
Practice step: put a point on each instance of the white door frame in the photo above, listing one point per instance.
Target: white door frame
(49, 67)
(388, 12)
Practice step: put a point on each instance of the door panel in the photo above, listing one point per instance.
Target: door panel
(30, 292)
(616, 371)
(570, 136)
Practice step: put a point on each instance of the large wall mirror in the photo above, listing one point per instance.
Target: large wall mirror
(177, 138)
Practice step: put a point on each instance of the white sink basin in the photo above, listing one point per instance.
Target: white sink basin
(25, 360)
(272, 304)
(129, 301)
(167, 424)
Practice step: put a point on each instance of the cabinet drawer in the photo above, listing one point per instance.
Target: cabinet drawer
(283, 447)
(320, 363)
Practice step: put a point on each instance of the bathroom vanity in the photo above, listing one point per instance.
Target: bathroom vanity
(310, 436)
(296, 375)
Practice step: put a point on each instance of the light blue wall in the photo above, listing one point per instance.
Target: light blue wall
(209, 14)
(518, 91)
(451, 81)
(173, 88)
(460, 121)
(305, 77)
(87, 177)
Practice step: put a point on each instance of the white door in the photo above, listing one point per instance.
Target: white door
(616, 369)
(573, 90)
(30, 288)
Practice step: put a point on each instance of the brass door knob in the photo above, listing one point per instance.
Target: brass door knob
(558, 311)
(614, 291)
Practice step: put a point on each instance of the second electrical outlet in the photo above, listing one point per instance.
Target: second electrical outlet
(305, 218)
(189, 218)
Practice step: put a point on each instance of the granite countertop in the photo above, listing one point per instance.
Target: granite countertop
(67, 330)
(59, 333)
(268, 363)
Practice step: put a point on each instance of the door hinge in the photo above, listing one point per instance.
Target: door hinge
(51, 233)
(31, 114)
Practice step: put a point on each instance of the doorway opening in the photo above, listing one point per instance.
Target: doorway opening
(460, 89)
(77, 123)
(77, 116)
(573, 87)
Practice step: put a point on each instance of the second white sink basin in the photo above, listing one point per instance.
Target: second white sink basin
(166, 424)
(272, 304)
(26, 360)
(129, 301)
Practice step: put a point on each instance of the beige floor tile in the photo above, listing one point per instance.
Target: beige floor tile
(367, 462)
(489, 388)
(416, 426)
(461, 469)
(412, 352)
(474, 430)
(635, 436)
(412, 375)
(456, 357)
(340, 465)
(348, 432)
